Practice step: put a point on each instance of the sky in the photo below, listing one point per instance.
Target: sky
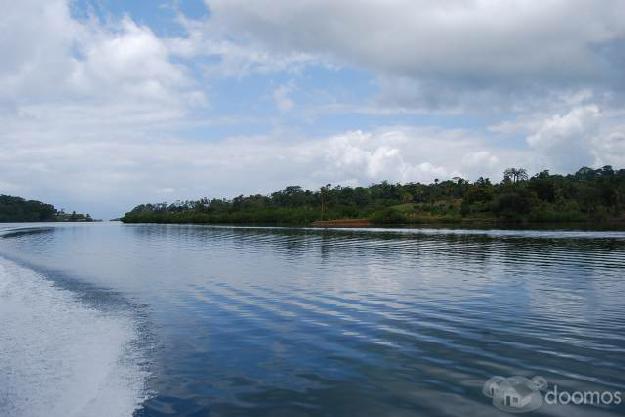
(105, 104)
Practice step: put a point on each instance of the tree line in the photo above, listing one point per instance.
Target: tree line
(589, 195)
(18, 209)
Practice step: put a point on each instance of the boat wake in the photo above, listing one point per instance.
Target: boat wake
(61, 357)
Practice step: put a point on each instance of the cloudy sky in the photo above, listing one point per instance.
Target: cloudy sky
(105, 104)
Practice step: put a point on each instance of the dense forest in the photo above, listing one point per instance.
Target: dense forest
(594, 196)
(17, 209)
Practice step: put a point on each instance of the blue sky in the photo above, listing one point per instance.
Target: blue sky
(110, 103)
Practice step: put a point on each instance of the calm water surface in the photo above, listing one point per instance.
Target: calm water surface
(156, 320)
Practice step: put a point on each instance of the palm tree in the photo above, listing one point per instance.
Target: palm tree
(324, 203)
(515, 175)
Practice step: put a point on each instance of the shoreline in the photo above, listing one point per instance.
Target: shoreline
(367, 224)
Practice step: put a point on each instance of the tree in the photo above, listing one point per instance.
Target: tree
(589, 195)
(543, 185)
(607, 171)
(512, 205)
(323, 193)
(515, 175)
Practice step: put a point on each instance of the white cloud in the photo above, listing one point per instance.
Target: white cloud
(131, 62)
(230, 57)
(565, 141)
(430, 53)
(584, 136)
(32, 34)
(396, 155)
(75, 95)
(610, 148)
(49, 58)
(480, 159)
(108, 174)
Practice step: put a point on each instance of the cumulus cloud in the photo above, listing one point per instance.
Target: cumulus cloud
(583, 136)
(402, 155)
(52, 59)
(130, 61)
(566, 141)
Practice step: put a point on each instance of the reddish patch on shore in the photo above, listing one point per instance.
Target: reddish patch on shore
(342, 223)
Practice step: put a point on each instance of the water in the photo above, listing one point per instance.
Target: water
(155, 320)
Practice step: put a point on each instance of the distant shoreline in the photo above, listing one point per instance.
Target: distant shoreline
(588, 199)
(15, 209)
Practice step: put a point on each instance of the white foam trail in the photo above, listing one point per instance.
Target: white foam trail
(59, 357)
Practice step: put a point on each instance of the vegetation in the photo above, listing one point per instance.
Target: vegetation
(590, 195)
(17, 209)
(61, 216)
